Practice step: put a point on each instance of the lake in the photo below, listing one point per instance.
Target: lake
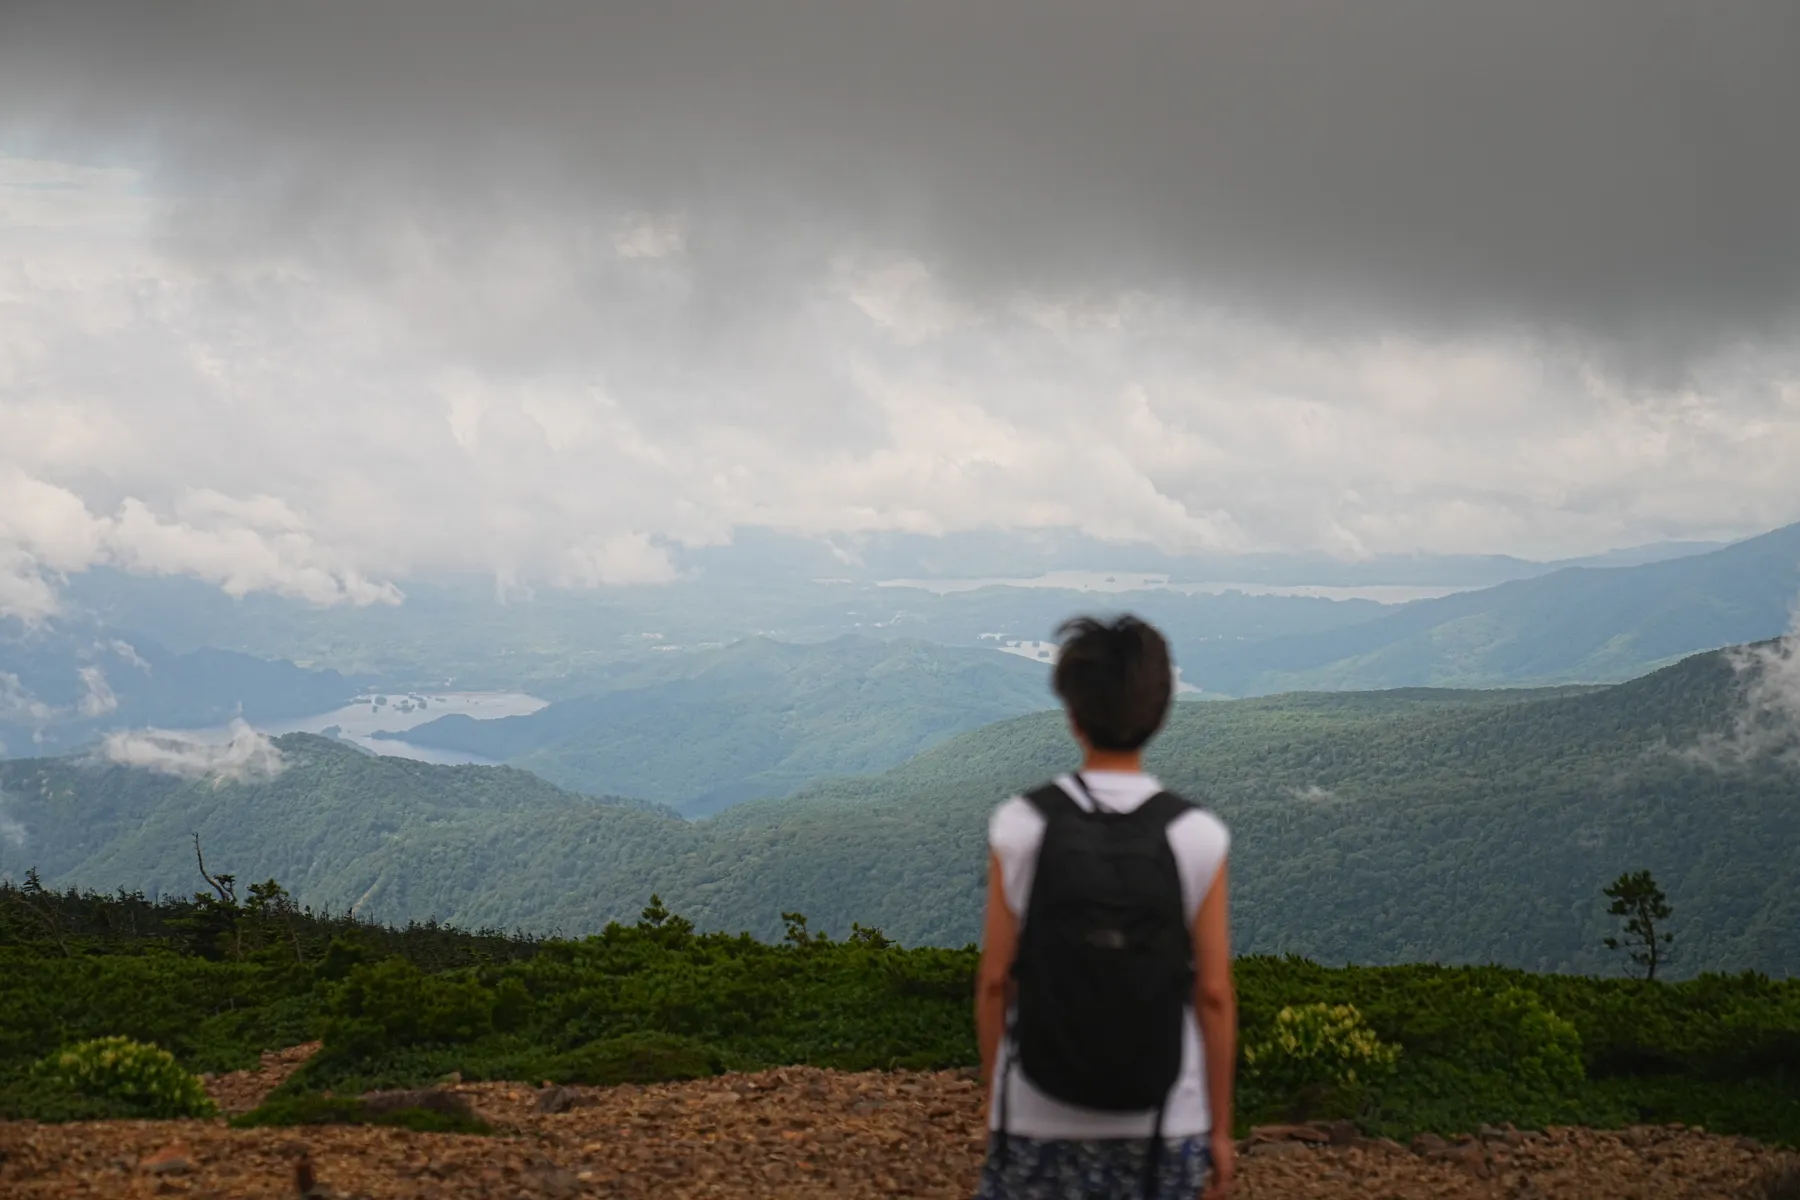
(394, 712)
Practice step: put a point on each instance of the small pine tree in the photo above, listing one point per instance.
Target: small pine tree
(664, 926)
(1636, 897)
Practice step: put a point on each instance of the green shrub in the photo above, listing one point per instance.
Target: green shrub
(1473, 1051)
(30, 1096)
(1318, 1045)
(405, 1008)
(147, 1078)
(1464, 1018)
(345, 1110)
(1541, 1048)
(636, 1058)
(393, 1002)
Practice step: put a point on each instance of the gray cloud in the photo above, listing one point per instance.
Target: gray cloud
(1619, 170)
(314, 299)
(246, 756)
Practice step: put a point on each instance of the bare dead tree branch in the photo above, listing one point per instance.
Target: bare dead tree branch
(227, 894)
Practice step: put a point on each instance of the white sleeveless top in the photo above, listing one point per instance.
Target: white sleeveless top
(1200, 842)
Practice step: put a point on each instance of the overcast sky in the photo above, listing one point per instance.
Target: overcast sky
(323, 297)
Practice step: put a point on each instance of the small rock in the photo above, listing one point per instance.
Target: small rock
(554, 1182)
(1468, 1156)
(306, 1184)
(1429, 1143)
(173, 1159)
(555, 1099)
(430, 1099)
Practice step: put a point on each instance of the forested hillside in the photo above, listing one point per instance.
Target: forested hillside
(343, 827)
(759, 718)
(1403, 826)
(1581, 624)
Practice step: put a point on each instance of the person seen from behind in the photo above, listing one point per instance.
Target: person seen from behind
(1104, 1001)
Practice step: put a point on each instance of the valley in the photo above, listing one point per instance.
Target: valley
(1407, 825)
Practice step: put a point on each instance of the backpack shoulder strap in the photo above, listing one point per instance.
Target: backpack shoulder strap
(1162, 808)
(1052, 802)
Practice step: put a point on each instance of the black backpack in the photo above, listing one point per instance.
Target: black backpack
(1105, 966)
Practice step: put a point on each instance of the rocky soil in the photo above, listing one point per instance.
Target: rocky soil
(794, 1133)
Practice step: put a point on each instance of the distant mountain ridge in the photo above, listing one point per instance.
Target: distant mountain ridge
(1409, 825)
(459, 633)
(1579, 624)
(991, 553)
(703, 731)
(64, 684)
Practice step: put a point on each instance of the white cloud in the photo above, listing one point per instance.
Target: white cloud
(1768, 723)
(246, 757)
(19, 705)
(619, 559)
(98, 699)
(1765, 724)
(11, 829)
(126, 651)
(1312, 793)
(645, 236)
(243, 546)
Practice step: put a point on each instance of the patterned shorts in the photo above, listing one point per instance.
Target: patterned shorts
(1109, 1169)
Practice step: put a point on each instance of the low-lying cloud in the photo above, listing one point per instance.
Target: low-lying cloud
(98, 698)
(11, 829)
(18, 705)
(1764, 725)
(243, 546)
(246, 757)
(1768, 724)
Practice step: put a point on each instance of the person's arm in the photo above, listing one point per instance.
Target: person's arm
(1215, 1004)
(993, 979)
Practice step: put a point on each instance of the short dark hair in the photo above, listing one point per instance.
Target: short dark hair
(1115, 680)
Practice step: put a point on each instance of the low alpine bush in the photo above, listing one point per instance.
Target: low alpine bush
(146, 1078)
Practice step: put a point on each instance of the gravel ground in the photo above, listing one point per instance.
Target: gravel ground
(795, 1132)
